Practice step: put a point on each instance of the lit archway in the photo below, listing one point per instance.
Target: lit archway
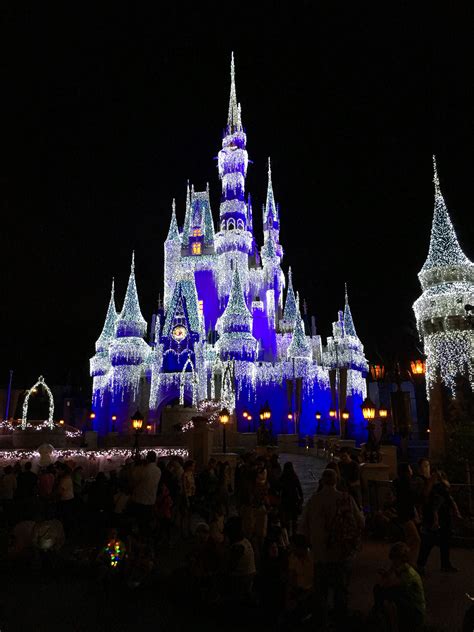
(42, 383)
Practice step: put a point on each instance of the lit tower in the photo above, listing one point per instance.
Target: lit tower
(128, 353)
(172, 247)
(447, 280)
(233, 241)
(100, 363)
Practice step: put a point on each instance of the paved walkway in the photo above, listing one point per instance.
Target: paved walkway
(445, 593)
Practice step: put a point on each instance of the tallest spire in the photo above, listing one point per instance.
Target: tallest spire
(234, 122)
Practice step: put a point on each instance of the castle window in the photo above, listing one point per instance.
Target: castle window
(197, 232)
(196, 248)
(231, 224)
(240, 224)
(201, 306)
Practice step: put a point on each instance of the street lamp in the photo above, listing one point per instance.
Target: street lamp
(332, 417)
(137, 423)
(318, 416)
(114, 419)
(224, 417)
(418, 367)
(267, 413)
(368, 411)
(92, 416)
(383, 416)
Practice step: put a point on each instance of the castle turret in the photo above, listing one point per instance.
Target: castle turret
(447, 280)
(291, 309)
(100, 363)
(300, 347)
(128, 351)
(172, 248)
(236, 341)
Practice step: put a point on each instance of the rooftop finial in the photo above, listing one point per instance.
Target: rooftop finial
(233, 119)
(269, 168)
(435, 177)
(132, 267)
(112, 293)
(346, 295)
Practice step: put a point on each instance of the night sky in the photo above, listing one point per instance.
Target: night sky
(106, 115)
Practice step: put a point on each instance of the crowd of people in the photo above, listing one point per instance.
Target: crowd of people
(248, 536)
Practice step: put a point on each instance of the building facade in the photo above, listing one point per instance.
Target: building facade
(230, 327)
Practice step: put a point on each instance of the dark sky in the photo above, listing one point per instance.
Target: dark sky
(107, 114)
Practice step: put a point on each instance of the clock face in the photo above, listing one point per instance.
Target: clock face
(179, 333)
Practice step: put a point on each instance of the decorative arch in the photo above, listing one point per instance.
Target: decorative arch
(240, 224)
(42, 383)
(231, 224)
(193, 382)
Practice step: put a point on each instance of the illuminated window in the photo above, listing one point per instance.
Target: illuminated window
(196, 247)
(197, 232)
(201, 307)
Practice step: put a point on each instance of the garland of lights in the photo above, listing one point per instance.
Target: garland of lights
(7, 456)
(40, 382)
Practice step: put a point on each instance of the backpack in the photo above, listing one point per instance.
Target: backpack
(344, 534)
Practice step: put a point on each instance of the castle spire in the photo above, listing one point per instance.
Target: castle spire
(444, 250)
(234, 122)
(290, 310)
(187, 217)
(236, 314)
(299, 346)
(349, 328)
(270, 209)
(173, 232)
(108, 330)
(130, 320)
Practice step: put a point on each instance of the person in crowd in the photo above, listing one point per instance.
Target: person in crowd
(291, 495)
(241, 565)
(274, 472)
(188, 496)
(164, 513)
(300, 578)
(437, 523)
(8, 484)
(224, 486)
(65, 496)
(204, 564)
(216, 525)
(399, 596)
(145, 481)
(332, 523)
(350, 475)
(27, 483)
(333, 465)
(78, 482)
(406, 510)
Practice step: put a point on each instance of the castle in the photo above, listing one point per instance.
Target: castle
(230, 327)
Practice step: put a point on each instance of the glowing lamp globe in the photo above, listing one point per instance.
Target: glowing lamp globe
(61, 422)
(383, 413)
(368, 409)
(245, 414)
(137, 420)
(114, 417)
(318, 415)
(249, 417)
(92, 416)
(332, 413)
(290, 416)
(418, 367)
(267, 413)
(377, 371)
(224, 416)
(345, 414)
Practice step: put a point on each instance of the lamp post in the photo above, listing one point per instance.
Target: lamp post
(137, 423)
(318, 416)
(332, 417)
(368, 411)
(383, 416)
(224, 416)
(345, 418)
